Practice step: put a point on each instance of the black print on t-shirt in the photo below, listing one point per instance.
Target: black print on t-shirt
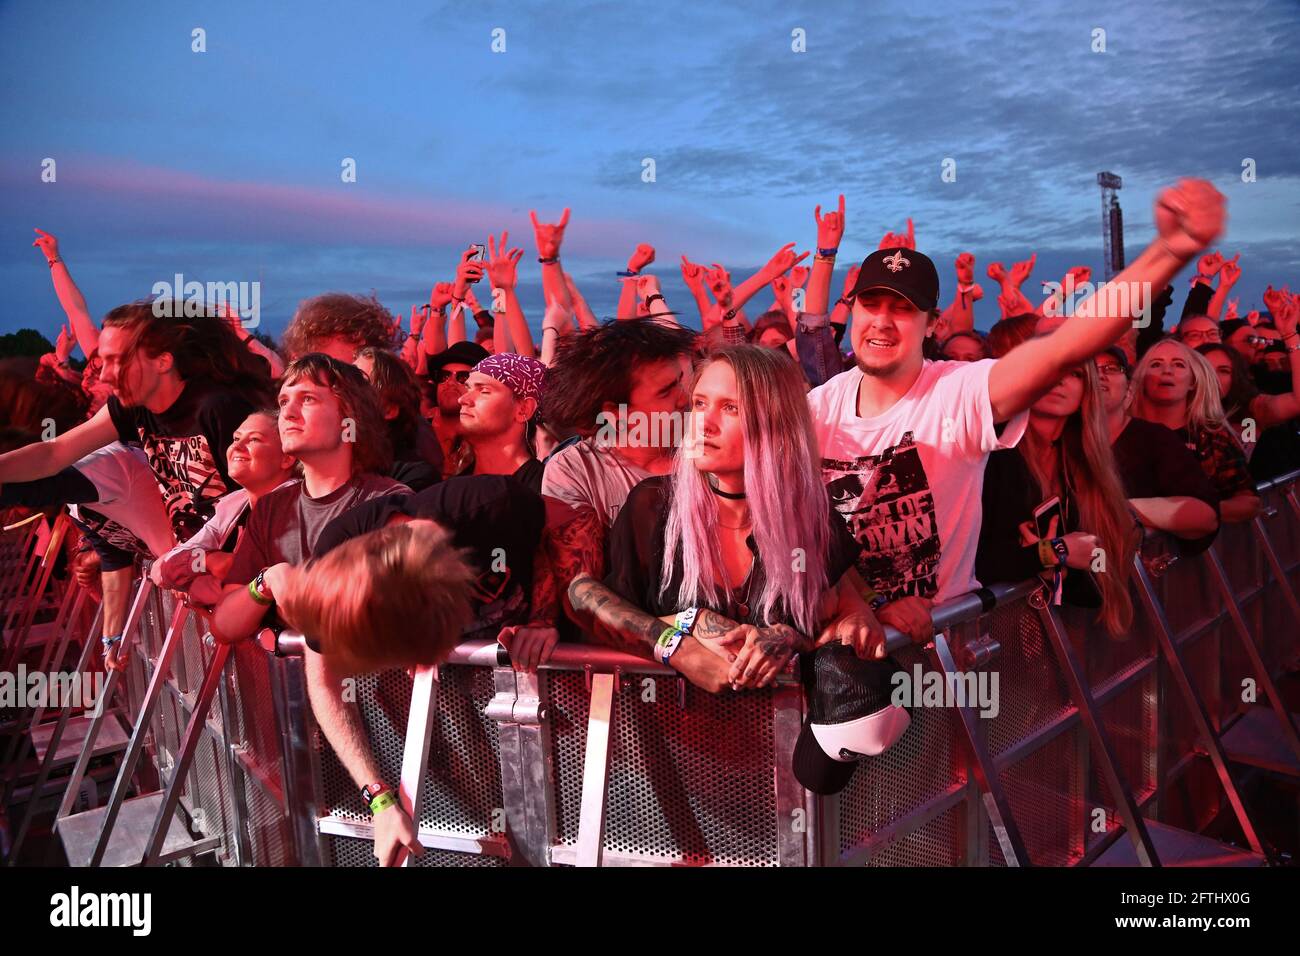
(187, 476)
(111, 532)
(887, 503)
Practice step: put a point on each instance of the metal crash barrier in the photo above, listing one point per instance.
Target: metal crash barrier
(1092, 751)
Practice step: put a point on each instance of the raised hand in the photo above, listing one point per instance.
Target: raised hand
(1189, 216)
(830, 227)
(1081, 275)
(1210, 264)
(1020, 271)
(1232, 312)
(468, 271)
(965, 269)
(549, 236)
(502, 266)
(646, 286)
(644, 255)
(417, 319)
(441, 296)
(47, 244)
(784, 260)
(1252, 318)
(1230, 272)
(692, 274)
(64, 344)
(851, 280)
(782, 288)
(798, 276)
(718, 280)
(892, 240)
(997, 273)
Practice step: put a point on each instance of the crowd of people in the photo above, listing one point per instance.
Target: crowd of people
(836, 466)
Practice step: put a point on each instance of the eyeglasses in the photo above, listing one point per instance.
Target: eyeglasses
(1209, 335)
(1110, 369)
(1257, 340)
(441, 375)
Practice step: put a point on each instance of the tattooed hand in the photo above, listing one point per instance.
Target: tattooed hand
(766, 653)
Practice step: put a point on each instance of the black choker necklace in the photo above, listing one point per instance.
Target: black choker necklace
(730, 495)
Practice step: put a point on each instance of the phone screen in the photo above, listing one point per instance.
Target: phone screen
(480, 251)
(1047, 518)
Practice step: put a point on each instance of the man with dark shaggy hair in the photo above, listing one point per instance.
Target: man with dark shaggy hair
(339, 324)
(616, 385)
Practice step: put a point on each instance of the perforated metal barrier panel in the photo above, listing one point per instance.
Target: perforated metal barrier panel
(700, 779)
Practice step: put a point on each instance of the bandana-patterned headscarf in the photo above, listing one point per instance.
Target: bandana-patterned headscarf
(524, 376)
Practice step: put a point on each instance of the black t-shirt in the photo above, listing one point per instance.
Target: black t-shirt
(496, 518)
(529, 474)
(1009, 498)
(1154, 462)
(636, 553)
(186, 447)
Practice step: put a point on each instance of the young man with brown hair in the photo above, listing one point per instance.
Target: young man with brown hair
(330, 421)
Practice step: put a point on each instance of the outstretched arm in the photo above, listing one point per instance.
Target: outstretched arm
(1188, 218)
(70, 297)
(44, 458)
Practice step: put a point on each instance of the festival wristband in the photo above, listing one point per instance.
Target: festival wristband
(382, 802)
(110, 639)
(828, 253)
(685, 620)
(1062, 551)
(655, 295)
(548, 262)
(1046, 555)
(628, 273)
(255, 590)
(668, 642)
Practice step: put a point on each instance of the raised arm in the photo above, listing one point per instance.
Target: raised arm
(503, 272)
(830, 230)
(549, 237)
(1188, 218)
(435, 329)
(586, 318)
(1274, 409)
(693, 276)
(1229, 273)
(960, 314)
(70, 297)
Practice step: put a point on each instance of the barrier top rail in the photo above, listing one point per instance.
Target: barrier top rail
(487, 652)
(1279, 481)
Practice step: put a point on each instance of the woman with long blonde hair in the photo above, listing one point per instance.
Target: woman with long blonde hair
(1177, 387)
(1065, 455)
(737, 550)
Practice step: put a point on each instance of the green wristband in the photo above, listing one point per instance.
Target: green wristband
(257, 595)
(383, 801)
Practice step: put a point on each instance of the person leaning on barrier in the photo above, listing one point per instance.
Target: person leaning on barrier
(398, 582)
(1065, 455)
(331, 422)
(1176, 387)
(904, 440)
(735, 562)
(255, 459)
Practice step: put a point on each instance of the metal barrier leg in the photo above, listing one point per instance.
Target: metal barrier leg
(139, 731)
(1264, 678)
(791, 814)
(88, 748)
(995, 799)
(1178, 669)
(1119, 790)
(415, 749)
(595, 771)
(185, 756)
(1279, 573)
(241, 844)
(38, 592)
(52, 748)
(54, 649)
(525, 757)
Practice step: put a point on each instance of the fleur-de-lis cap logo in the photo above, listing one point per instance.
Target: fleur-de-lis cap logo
(896, 262)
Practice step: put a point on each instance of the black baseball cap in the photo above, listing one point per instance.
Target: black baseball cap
(909, 273)
(466, 353)
(850, 715)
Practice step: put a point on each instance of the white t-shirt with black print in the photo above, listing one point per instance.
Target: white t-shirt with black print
(909, 481)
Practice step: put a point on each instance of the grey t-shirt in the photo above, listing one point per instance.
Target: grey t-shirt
(587, 475)
(286, 523)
